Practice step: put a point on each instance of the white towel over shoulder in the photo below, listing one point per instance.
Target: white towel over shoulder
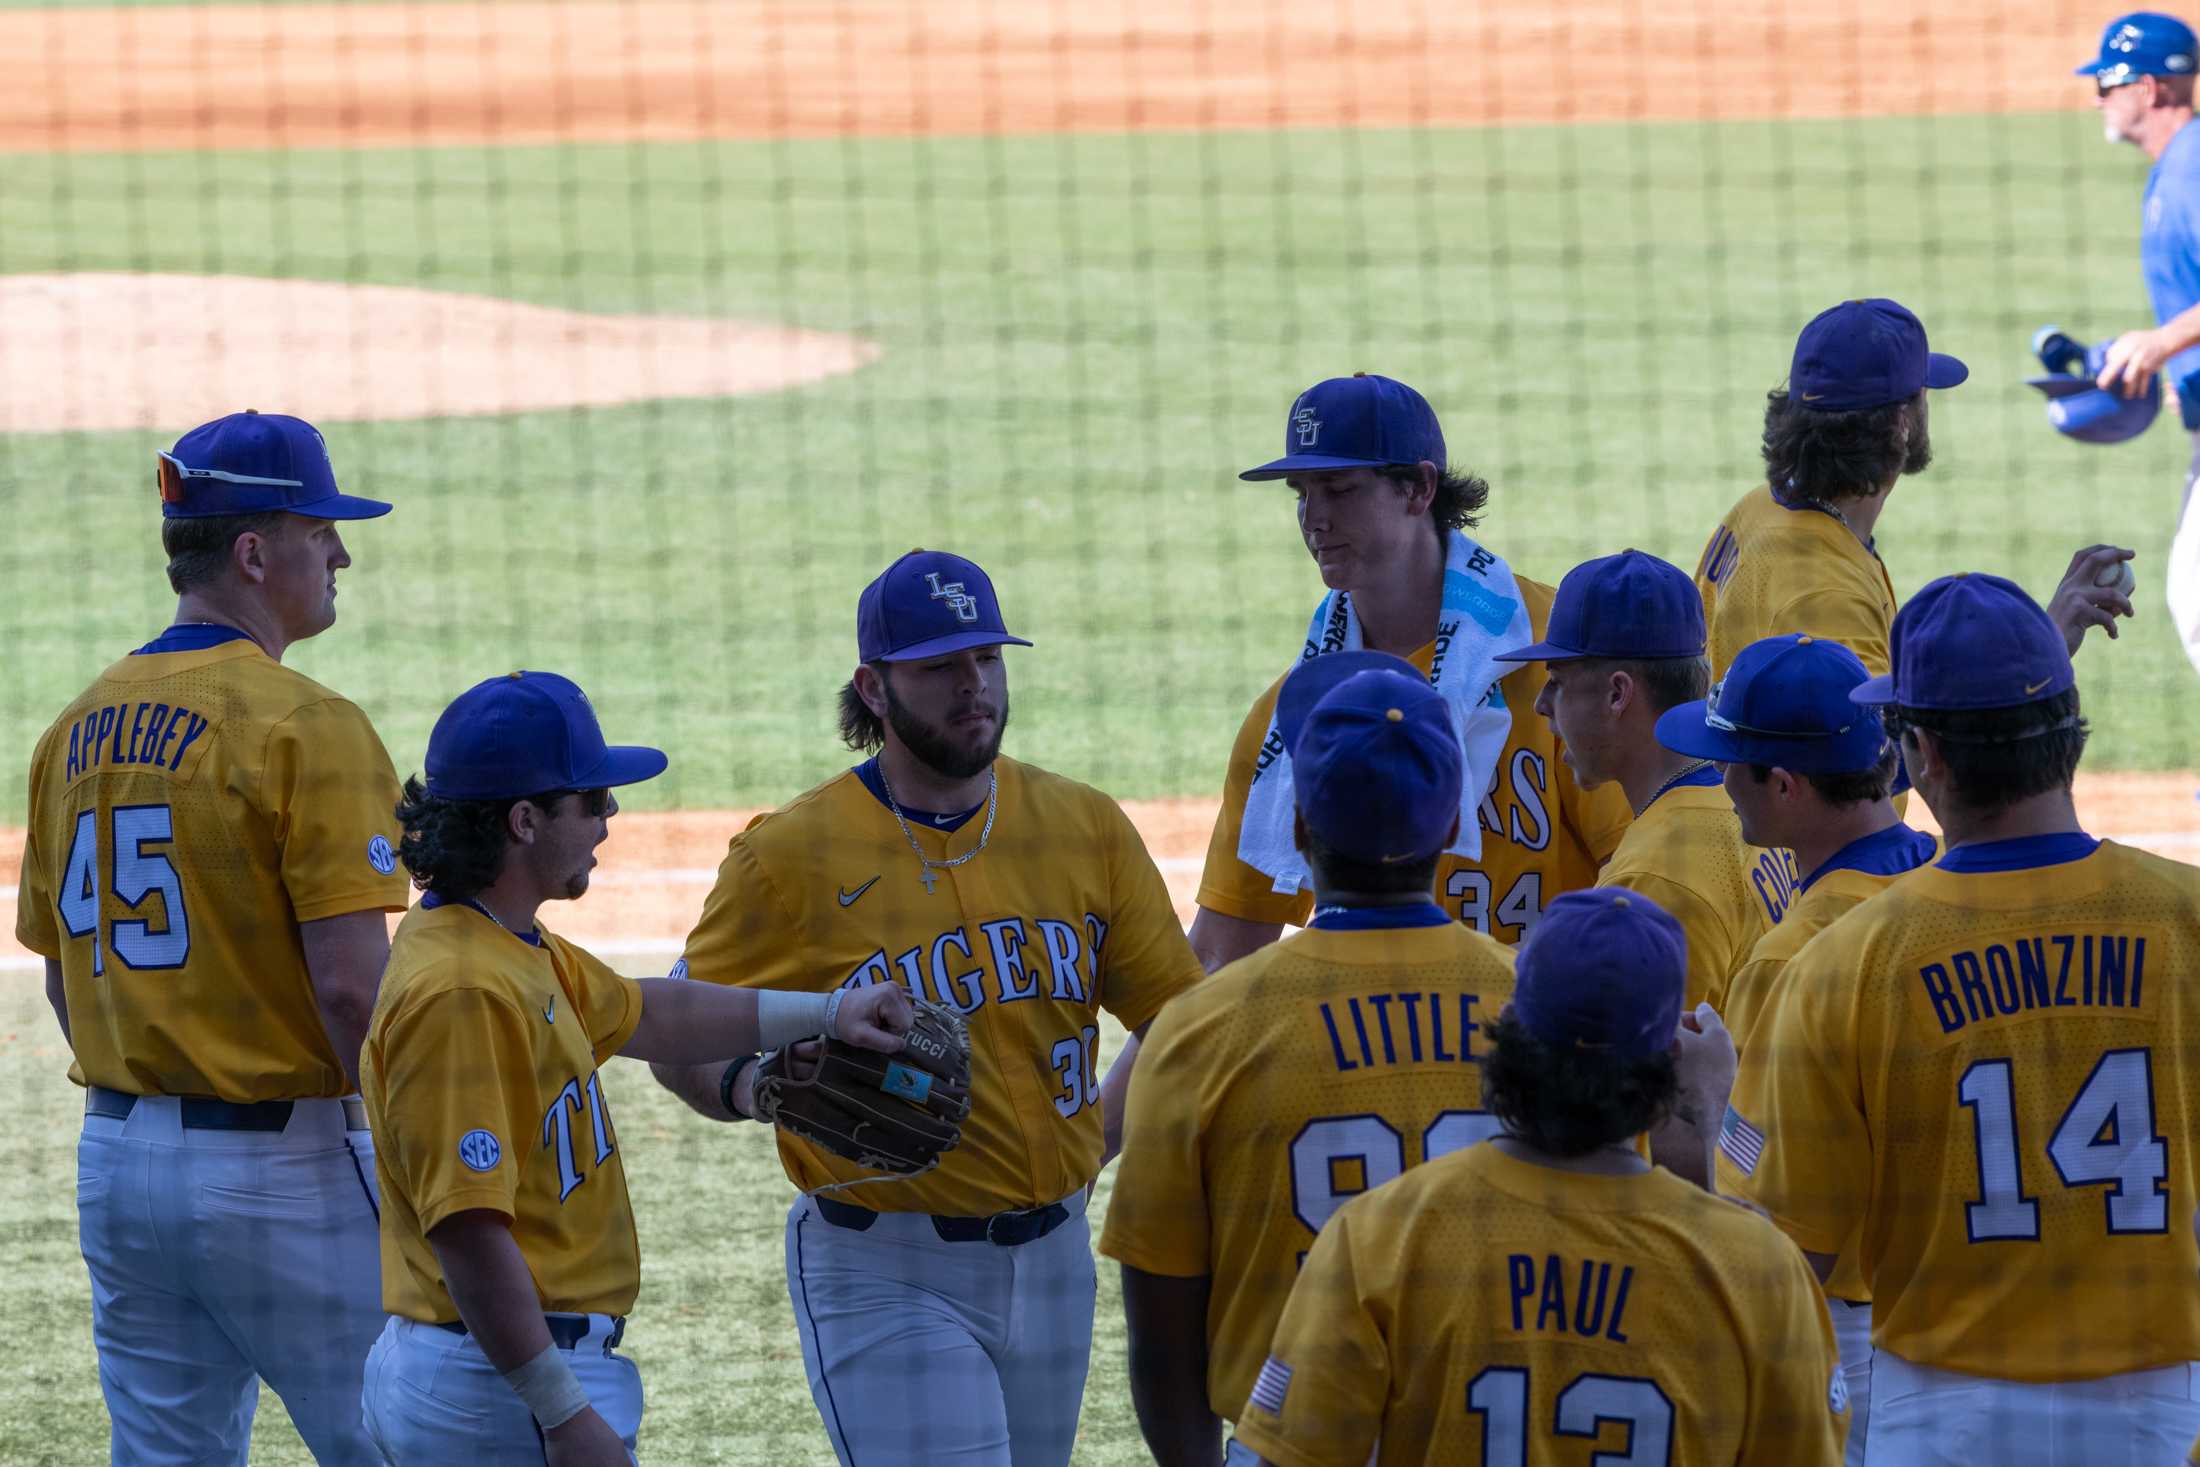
(1482, 616)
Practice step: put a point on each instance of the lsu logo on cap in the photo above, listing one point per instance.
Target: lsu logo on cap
(959, 601)
(480, 1150)
(380, 856)
(1306, 425)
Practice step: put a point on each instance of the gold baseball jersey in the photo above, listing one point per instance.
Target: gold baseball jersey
(1062, 914)
(1984, 1075)
(1484, 1309)
(1770, 570)
(480, 1073)
(1288, 1083)
(187, 811)
(1686, 853)
(1542, 834)
(1862, 870)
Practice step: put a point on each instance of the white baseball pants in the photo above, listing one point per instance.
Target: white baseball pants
(1922, 1417)
(943, 1354)
(432, 1398)
(222, 1258)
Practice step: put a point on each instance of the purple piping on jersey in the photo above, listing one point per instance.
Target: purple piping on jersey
(1888, 852)
(802, 1272)
(192, 638)
(1364, 919)
(868, 773)
(2021, 853)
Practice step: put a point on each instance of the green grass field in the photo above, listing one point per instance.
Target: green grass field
(712, 1332)
(1084, 337)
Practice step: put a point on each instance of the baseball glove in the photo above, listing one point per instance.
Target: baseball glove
(894, 1113)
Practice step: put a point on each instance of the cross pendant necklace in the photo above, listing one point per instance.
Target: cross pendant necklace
(930, 879)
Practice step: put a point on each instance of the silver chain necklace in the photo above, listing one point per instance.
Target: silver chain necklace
(493, 917)
(992, 807)
(1696, 768)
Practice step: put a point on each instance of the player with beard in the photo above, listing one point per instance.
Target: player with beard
(1798, 554)
(948, 1316)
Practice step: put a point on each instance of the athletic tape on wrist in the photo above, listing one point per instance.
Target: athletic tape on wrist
(549, 1387)
(783, 1018)
(731, 1077)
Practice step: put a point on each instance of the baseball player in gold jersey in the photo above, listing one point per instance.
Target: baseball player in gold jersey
(1807, 770)
(206, 873)
(1797, 554)
(508, 1251)
(1311, 1071)
(1625, 645)
(1386, 518)
(947, 1317)
(1982, 1080)
(1548, 1297)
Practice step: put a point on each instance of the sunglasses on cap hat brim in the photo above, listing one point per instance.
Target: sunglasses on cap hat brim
(1714, 719)
(173, 472)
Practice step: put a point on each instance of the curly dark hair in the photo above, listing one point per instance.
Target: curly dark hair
(1459, 497)
(860, 728)
(1823, 458)
(1855, 787)
(1570, 1102)
(455, 848)
(198, 549)
(1998, 756)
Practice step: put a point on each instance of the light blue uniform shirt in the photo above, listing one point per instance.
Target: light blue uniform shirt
(2169, 251)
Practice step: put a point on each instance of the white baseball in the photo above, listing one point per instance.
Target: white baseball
(2118, 575)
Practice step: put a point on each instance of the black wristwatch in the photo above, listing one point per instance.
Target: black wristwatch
(726, 1083)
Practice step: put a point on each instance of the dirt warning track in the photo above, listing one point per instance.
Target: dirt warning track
(399, 75)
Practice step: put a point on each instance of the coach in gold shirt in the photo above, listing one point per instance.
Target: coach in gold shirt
(508, 1250)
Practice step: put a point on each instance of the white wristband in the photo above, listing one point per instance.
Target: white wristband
(783, 1018)
(549, 1387)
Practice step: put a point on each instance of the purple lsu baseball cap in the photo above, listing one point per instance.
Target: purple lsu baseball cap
(255, 463)
(1624, 605)
(1376, 765)
(1355, 422)
(928, 604)
(1784, 703)
(1605, 969)
(1866, 354)
(1972, 641)
(528, 733)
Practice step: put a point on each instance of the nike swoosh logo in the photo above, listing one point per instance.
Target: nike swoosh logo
(848, 898)
(550, 1010)
(2043, 682)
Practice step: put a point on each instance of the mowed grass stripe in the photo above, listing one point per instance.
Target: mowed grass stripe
(1085, 337)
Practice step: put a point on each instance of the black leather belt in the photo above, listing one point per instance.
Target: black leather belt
(1003, 1229)
(217, 1115)
(566, 1330)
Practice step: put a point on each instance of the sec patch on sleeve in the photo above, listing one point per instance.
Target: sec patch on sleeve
(380, 856)
(480, 1150)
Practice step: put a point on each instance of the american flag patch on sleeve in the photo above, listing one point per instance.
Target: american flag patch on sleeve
(1269, 1389)
(1740, 1142)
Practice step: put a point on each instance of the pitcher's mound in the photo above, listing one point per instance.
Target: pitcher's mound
(95, 352)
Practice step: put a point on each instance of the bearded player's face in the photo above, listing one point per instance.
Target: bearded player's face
(950, 711)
